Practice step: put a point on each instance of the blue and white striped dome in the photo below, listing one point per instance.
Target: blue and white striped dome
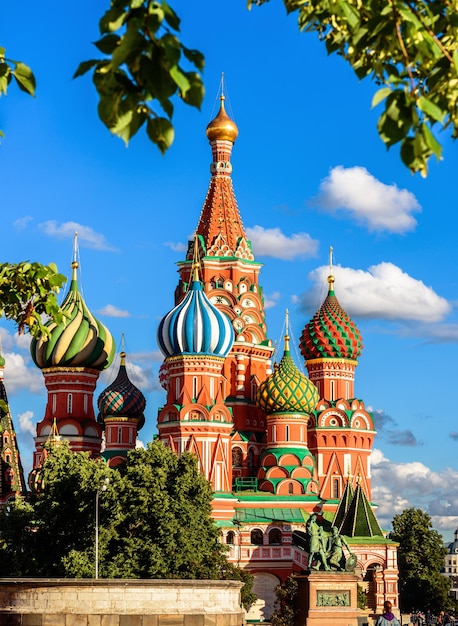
(195, 326)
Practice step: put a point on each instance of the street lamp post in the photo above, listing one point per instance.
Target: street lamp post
(103, 487)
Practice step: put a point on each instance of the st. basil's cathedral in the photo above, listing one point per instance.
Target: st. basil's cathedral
(275, 445)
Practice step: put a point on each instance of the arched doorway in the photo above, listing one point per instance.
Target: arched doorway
(370, 586)
(264, 587)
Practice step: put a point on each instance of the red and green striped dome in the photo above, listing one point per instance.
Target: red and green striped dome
(80, 340)
(331, 333)
(287, 390)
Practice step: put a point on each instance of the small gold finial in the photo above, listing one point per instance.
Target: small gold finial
(122, 354)
(287, 331)
(330, 277)
(195, 260)
(75, 253)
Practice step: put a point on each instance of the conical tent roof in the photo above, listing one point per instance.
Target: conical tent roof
(360, 520)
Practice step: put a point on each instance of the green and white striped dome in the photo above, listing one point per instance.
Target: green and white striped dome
(80, 340)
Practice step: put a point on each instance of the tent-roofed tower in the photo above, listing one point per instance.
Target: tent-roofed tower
(195, 338)
(121, 414)
(11, 473)
(71, 357)
(230, 276)
(341, 430)
(287, 397)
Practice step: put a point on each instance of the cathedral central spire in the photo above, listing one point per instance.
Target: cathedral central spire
(220, 226)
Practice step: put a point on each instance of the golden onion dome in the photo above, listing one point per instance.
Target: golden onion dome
(222, 127)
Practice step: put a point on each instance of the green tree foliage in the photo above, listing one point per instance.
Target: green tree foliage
(154, 521)
(28, 292)
(420, 559)
(36, 536)
(17, 71)
(286, 603)
(163, 527)
(409, 48)
(143, 69)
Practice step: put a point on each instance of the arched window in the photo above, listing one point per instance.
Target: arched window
(85, 402)
(250, 457)
(119, 435)
(257, 537)
(286, 433)
(237, 457)
(331, 389)
(194, 386)
(54, 402)
(335, 488)
(290, 488)
(275, 537)
(69, 403)
(230, 537)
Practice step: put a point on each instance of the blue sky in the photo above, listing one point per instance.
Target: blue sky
(309, 172)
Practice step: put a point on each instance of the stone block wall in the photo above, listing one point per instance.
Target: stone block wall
(85, 602)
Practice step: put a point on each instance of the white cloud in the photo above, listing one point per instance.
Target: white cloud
(112, 311)
(272, 242)
(373, 204)
(383, 291)
(21, 223)
(176, 247)
(25, 423)
(142, 376)
(421, 487)
(19, 376)
(271, 300)
(87, 237)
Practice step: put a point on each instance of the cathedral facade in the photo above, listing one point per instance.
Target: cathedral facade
(276, 445)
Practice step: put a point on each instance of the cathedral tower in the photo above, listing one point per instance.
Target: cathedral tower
(121, 415)
(11, 472)
(71, 357)
(230, 278)
(195, 338)
(287, 397)
(341, 431)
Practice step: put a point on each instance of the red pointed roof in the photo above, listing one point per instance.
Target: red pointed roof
(220, 225)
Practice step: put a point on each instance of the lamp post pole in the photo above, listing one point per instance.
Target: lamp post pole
(103, 487)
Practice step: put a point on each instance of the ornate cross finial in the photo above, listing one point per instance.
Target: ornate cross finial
(195, 259)
(331, 250)
(75, 254)
(287, 331)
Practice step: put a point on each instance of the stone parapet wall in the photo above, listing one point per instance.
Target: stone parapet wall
(85, 602)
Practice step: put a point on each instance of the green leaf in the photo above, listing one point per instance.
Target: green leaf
(431, 109)
(380, 95)
(84, 67)
(196, 58)
(112, 20)
(161, 132)
(455, 59)
(196, 92)
(108, 43)
(180, 79)
(24, 78)
(4, 69)
(431, 141)
(171, 17)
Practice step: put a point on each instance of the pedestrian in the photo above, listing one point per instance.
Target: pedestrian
(388, 618)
